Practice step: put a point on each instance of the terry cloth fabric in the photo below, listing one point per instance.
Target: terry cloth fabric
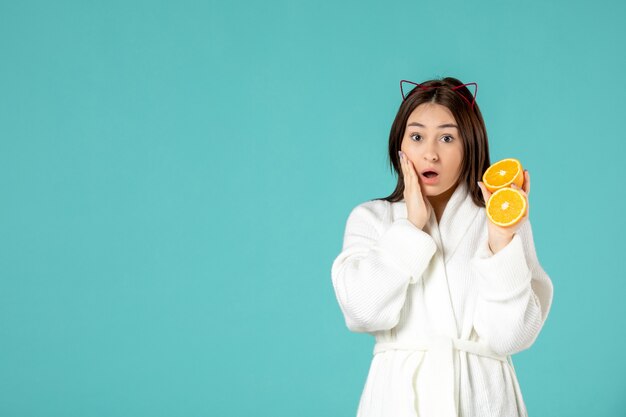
(445, 312)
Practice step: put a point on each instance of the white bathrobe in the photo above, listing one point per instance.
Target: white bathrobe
(446, 313)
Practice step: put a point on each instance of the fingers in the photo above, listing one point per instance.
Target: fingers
(526, 185)
(521, 190)
(414, 177)
(525, 194)
(418, 207)
(406, 163)
(408, 170)
(483, 189)
(406, 173)
(405, 169)
(411, 169)
(403, 163)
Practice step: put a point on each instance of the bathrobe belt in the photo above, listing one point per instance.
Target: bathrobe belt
(441, 349)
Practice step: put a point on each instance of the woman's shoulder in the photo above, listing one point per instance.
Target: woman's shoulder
(384, 209)
(372, 212)
(376, 207)
(367, 218)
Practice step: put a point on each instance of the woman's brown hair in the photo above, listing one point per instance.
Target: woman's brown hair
(471, 127)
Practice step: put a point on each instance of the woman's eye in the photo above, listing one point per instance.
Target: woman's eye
(448, 136)
(417, 137)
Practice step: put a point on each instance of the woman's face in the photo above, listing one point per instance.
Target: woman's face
(432, 141)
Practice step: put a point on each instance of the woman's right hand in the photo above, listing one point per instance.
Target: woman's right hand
(417, 206)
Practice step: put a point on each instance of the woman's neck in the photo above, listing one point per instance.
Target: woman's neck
(439, 202)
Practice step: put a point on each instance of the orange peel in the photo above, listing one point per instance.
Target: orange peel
(506, 207)
(504, 173)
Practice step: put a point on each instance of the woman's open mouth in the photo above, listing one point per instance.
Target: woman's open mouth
(430, 177)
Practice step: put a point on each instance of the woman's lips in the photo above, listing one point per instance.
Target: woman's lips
(432, 180)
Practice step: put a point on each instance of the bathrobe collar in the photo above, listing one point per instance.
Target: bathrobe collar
(457, 217)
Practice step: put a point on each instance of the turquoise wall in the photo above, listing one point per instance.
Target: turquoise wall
(176, 177)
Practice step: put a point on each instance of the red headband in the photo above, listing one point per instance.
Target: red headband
(437, 86)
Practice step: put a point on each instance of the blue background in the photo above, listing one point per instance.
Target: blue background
(176, 177)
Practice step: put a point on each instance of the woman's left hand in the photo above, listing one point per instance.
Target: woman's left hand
(500, 236)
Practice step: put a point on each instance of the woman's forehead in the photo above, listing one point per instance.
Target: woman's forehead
(431, 115)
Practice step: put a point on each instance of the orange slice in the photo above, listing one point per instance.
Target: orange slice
(504, 173)
(506, 207)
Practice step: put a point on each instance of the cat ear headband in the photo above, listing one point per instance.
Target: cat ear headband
(437, 86)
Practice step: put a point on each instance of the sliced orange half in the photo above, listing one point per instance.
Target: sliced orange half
(506, 207)
(504, 173)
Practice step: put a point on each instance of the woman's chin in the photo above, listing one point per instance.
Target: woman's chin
(434, 190)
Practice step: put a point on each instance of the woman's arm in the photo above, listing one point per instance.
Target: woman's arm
(371, 274)
(515, 294)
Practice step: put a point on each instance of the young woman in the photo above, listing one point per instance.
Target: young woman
(448, 295)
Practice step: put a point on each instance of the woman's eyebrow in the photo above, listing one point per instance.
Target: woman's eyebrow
(440, 126)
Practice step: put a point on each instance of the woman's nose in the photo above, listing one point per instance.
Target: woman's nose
(430, 153)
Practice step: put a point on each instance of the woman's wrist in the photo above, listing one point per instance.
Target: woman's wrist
(498, 241)
(417, 223)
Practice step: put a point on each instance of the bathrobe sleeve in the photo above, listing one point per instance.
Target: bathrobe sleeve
(375, 267)
(514, 294)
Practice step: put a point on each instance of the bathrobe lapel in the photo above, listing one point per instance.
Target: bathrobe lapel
(458, 215)
(439, 329)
